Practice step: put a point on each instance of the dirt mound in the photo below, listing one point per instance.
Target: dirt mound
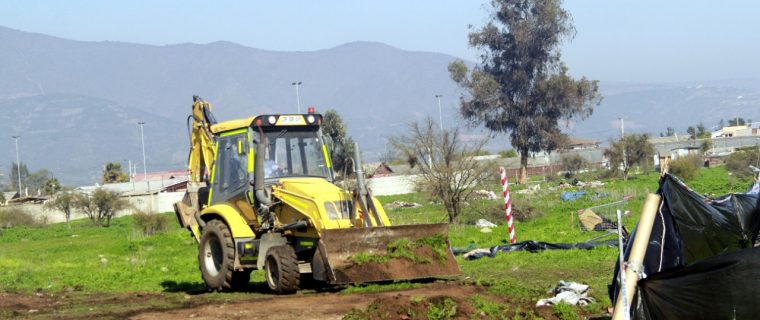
(407, 307)
(401, 268)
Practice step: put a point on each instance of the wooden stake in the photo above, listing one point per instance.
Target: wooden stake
(636, 257)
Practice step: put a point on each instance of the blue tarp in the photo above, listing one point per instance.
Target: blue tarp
(572, 195)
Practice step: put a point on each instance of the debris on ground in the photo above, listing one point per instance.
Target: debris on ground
(483, 223)
(530, 190)
(486, 230)
(598, 195)
(484, 194)
(591, 184)
(401, 204)
(572, 195)
(571, 293)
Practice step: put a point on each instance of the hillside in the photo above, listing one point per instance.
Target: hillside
(377, 88)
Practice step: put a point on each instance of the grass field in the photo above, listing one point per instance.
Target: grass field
(88, 259)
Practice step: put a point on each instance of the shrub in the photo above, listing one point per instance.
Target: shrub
(511, 153)
(150, 223)
(12, 217)
(572, 163)
(493, 211)
(100, 206)
(686, 167)
(738, 162)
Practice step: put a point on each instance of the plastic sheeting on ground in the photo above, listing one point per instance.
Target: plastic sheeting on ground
(691, 231)
(531, 246)
(571, 195)
(572, 293)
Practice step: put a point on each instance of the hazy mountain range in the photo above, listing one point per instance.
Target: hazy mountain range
(76, 104)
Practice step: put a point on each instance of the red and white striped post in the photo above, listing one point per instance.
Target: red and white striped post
(507, 205)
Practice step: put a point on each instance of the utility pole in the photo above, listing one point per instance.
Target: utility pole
(440, 113)
(145, 166)
(18, 165)
(622, 135)
(298, 96)
(622, 128)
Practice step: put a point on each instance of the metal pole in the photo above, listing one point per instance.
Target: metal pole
(622, 128)
(145, 166)
(440, 113)
(298, 96)
(18, 165)
(142, 140)
(622, 135)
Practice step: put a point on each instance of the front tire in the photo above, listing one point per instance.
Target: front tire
(281, 267)
(216, 256)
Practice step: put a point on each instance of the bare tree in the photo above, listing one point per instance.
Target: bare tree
(446, 164)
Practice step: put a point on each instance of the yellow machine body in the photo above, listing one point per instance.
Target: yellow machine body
(326, 225)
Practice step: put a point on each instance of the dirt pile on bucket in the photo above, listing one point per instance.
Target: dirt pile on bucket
(422, 261)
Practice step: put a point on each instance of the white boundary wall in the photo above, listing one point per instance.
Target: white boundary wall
(387, 186)
(162, 202)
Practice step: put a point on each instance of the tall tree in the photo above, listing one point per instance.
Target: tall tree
(702, 131)
(630, 151)
(738, 121)
(521, 86)
(692, 132)
(333, 127)
(51, 186)
(112, 173)
(36, 180)
(14, 175)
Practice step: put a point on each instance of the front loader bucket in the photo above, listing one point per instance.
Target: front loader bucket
(388, 253)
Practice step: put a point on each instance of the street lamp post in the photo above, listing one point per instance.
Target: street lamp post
(145, 166)
(298, 96)
(440, 113)
(142, 140)
(18, 166)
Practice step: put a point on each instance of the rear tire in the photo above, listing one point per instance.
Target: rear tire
(216, 256)
(281, 267)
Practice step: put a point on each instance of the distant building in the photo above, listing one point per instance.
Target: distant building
(162, 175)
(383, 170)
(735, 131)
(136, 188)
(574, 143)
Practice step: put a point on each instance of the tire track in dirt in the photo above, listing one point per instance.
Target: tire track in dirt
(305, 307)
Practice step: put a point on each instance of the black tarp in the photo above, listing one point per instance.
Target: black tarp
(689, 228)
(725, 286)
(534, 246)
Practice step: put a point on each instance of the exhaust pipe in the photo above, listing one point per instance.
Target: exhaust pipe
(258, 172)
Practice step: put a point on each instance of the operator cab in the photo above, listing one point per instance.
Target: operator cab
(294, 152)
(294, 146)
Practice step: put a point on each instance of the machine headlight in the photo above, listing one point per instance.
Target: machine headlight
(272, 120)
(310, 119)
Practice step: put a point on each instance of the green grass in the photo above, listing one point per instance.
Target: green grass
(114, 259)
(120, 259)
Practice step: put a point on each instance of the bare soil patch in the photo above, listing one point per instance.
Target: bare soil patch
(400, 304)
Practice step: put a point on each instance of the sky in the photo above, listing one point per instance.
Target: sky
(633, 41)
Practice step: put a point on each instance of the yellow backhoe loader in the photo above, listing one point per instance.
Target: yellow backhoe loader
(261, 196)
